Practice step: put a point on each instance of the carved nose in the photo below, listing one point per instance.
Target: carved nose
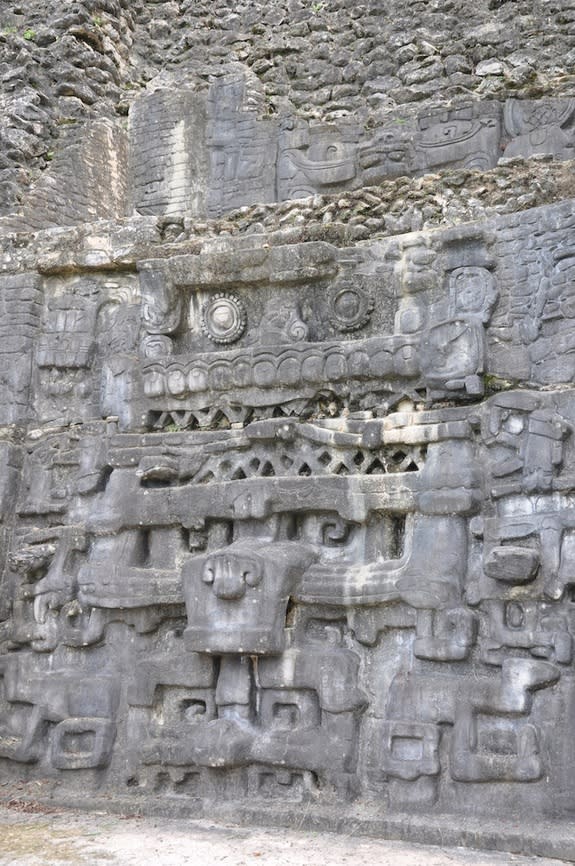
(230, 574)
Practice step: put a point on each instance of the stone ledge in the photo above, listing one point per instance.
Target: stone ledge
(553, 839)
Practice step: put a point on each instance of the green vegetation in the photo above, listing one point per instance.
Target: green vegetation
(493, 384)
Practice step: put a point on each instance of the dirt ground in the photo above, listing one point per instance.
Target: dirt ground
(61, 838)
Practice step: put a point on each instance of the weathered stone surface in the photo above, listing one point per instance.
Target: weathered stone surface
(303, 466)
(364, 80)
(286, 441)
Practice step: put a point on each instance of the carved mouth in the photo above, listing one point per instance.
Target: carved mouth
(309, 365)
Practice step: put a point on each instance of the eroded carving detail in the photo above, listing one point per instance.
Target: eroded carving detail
(224, 318)
(350, 308)
(331, 560)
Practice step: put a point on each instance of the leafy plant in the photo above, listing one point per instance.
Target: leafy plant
(29, 34)
(493, 384)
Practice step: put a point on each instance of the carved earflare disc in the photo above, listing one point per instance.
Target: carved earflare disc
(224, 318)
(350, 308)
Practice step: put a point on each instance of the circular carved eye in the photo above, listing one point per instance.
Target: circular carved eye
(223, 318)
(350, 308)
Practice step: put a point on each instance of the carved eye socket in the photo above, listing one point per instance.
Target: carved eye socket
(224, 318)
(252, 576)
(208, 574)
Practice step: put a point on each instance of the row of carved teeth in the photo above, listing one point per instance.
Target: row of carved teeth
(179, 380)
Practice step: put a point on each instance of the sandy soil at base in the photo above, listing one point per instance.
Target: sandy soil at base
(63, 838)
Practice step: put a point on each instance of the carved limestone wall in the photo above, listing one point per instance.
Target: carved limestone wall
(287, 452)
(294, 522)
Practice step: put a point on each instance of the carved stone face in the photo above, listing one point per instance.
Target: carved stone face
(291, 502)
(236, 598)
(237, 593)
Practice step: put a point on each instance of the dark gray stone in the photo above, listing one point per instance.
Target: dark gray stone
(308, 555)
(287, 516)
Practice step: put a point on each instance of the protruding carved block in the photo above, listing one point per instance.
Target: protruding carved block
(237, 598)
(410, 750)
(82, 743)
